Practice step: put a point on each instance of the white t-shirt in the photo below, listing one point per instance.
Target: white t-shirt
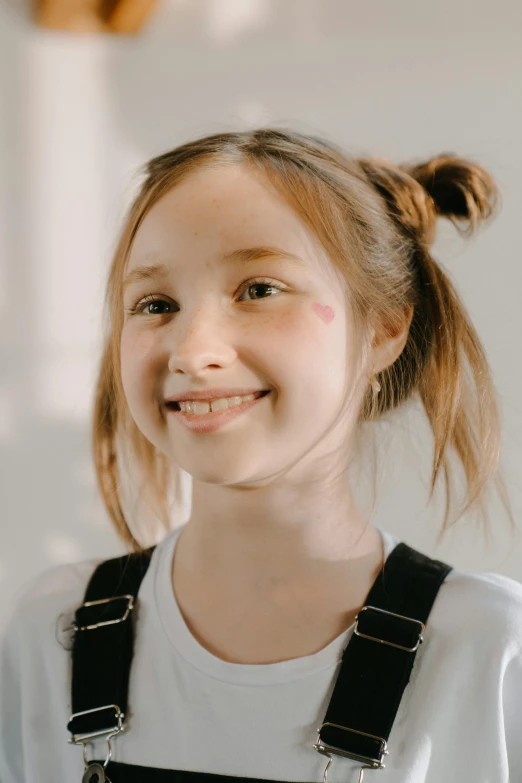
(459, 721)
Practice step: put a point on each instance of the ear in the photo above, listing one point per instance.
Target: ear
(389, 341)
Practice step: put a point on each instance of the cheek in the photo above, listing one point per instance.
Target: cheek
(302, 325)
(325, 312)
(134, 350)
(135, 344)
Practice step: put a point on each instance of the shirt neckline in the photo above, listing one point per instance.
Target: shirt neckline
(187, 646)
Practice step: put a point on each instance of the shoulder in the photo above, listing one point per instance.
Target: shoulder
(57, 582)
(474, 607)
(45, 606)
(49, 600)
(485, 607)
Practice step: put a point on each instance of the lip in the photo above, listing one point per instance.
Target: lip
(210, 422)
(213, 394)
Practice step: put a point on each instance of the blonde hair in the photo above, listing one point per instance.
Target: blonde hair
(376, 222)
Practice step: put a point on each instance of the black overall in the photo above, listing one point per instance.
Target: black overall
(375, 668)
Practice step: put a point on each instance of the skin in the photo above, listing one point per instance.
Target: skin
(276, 558)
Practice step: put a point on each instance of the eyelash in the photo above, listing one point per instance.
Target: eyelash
(141, 304)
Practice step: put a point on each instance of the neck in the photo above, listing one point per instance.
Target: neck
(334, 559)
(253, 598)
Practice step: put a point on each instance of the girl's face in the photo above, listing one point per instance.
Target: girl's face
(211, 327)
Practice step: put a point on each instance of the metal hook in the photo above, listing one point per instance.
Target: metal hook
(361, 771)
(108, 758)
(325, 773)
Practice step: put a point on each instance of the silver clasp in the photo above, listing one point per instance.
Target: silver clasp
(361, 771)
(130, 605)
(112, 732)
(325, 750)
(383, 641)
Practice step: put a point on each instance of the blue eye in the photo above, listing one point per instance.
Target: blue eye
(141, 304)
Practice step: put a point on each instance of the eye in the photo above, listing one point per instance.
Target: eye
(261, 283)
(141, 304)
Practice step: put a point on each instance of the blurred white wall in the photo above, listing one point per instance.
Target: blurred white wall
(79, 114)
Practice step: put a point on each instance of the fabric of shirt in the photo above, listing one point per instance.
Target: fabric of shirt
(460, 718)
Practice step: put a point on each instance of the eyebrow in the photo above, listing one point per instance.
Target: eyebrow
(241, 256)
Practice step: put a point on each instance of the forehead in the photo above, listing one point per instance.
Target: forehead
(218, 210)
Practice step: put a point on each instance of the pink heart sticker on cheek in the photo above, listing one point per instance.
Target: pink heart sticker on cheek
(324, 312)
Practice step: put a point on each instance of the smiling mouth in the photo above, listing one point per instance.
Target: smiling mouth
(175, 406)
(212, 421)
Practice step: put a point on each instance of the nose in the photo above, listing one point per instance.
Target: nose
(200, 342)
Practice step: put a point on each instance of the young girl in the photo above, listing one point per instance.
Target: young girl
(270, 297)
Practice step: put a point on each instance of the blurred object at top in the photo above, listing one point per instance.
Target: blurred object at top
(94, 16)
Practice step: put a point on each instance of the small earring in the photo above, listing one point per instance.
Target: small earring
(376, 386)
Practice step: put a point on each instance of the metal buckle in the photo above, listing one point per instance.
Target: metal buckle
(368, 761)
(80, 738)
(112, 732)
(130, 605)
(327, 749)
(383, 641)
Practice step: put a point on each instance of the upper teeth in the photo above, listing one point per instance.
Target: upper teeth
(199, 407)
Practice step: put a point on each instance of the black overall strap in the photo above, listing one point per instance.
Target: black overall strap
(378, 659)
(104, 645)
(375, 669)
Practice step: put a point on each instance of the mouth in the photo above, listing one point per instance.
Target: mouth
(214, 420)
(175, 406)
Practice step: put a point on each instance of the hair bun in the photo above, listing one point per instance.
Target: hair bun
(462, 191)
(446, 186)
